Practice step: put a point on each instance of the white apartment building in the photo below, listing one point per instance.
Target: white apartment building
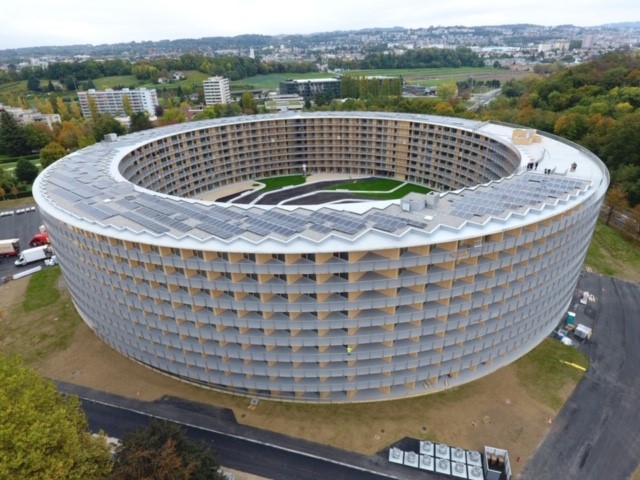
(216, 90)
(30, 115)
(111, 101)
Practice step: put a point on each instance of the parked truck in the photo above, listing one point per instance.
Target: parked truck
(41, 238)
(9, 247)
(31, 255)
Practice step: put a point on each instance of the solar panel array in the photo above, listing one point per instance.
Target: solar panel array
(85, 188)
(499, 198)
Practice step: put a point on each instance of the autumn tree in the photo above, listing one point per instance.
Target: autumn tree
(447, 91)
(247, 103)
(616, 199)
(50, 153)
(163, 452)
(126, 106)
(43, 434)
(634, 224)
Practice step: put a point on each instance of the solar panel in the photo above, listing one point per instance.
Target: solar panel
(145, 222)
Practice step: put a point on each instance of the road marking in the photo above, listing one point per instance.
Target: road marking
(574, 365)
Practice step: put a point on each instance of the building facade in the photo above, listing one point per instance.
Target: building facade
(339, 302)
(29, 115)
(309, 88)
(217, 90)
(112, 101)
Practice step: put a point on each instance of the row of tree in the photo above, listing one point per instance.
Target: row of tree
(417, 58)
(77, 75)
(352, 86)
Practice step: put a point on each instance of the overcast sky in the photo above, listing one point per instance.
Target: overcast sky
(25, 23)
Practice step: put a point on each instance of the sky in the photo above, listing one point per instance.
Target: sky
(28, 23)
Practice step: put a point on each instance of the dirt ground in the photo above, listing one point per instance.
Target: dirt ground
(495, 410)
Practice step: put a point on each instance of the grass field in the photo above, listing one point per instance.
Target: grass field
(610, 254)
(13, 88)
(413, 76)
(272, 81)
(194, 78)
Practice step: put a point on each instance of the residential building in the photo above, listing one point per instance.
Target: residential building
(29, 115)
(112, 101)
(324, 302)
(216, 90)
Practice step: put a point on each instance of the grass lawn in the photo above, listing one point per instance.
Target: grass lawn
(375, 188)
(272, 81)
(274, 183)
(11, 203)
(543, 371)
(610, 254)
(42, 323)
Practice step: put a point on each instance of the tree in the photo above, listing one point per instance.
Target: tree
(634, 224)
(105, 124)
(2, 193)
(247, 103)
(50, 153)
(43, 434)
(140, 121)
(447, 91)
(33, 83)
(12, 137)
(26, 171)
(616, 199)
(163, 452)
(126, 106)
(37, 135)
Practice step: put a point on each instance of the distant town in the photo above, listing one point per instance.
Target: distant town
(512, 46)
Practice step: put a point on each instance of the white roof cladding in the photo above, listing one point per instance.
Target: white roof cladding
(86, 189)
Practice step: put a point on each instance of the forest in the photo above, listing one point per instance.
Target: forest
(594, 104)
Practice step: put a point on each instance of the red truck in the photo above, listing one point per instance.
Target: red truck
(40, 239)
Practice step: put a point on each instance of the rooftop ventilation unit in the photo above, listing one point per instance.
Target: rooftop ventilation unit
(395, 455)
(474, 473)
(411, 459)
(474, 458)
(458, 455)
(443, 466)
(427, 462)
(442, 451)
(426, 447)
(459, 470)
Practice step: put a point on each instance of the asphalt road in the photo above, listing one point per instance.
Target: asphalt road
(22, 226)
(596, 435)
(247, 449)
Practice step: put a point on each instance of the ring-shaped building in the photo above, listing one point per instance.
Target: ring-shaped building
(324, 302)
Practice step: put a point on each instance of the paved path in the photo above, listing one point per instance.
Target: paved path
(597, 433)
(261, 452)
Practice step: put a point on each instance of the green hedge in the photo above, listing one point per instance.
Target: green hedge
(7, 159)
